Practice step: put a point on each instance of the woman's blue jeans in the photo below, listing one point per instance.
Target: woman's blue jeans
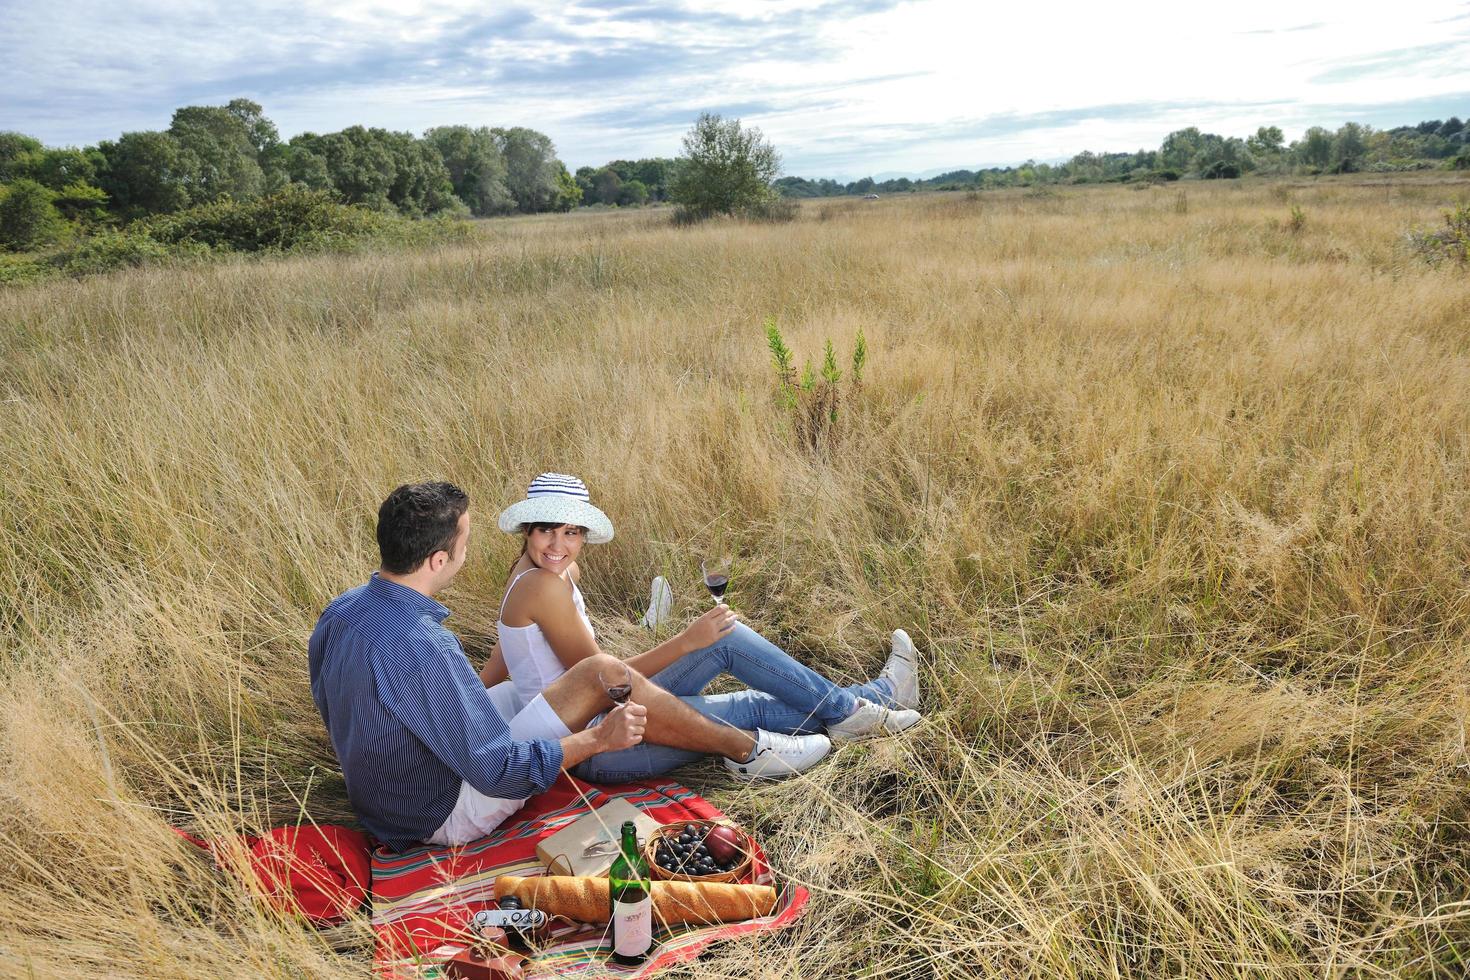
(787, 697)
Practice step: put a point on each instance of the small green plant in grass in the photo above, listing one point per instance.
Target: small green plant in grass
(816, 399)
(781, 355)
(1450, 242)
(1297, 221)
(831, 375)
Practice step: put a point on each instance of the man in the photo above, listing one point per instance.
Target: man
(426, 756)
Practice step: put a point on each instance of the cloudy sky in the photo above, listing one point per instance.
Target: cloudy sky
(843, 88)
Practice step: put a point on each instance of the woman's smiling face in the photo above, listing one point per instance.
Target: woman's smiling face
(555, 548)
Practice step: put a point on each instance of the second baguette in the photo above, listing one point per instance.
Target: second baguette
(587, 899)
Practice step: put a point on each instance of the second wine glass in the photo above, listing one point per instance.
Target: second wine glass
(617, 682)
(716, 572)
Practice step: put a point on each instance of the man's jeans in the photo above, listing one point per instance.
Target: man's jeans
(788, 698)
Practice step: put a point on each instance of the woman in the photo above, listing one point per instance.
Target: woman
(544, 630)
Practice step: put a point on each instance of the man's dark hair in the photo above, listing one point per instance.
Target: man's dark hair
(417, 520)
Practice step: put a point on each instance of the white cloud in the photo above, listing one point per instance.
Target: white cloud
(842, 87)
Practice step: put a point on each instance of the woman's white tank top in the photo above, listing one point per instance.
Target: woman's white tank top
(529, 658)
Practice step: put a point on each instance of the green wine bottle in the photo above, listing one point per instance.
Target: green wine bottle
(632, 902)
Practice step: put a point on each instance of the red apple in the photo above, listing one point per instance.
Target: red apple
(724, 844)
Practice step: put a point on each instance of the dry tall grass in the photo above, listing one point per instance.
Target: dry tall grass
(1172, 490)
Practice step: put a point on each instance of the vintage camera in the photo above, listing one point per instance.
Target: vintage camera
(511, 920)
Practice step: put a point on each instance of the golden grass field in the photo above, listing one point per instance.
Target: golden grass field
(1175, 499)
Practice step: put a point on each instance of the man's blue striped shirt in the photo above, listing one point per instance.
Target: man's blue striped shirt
(409, 718)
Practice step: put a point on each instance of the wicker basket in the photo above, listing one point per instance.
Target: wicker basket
(650, 848)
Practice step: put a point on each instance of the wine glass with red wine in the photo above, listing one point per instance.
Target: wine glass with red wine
(716, 576)
(617, 682)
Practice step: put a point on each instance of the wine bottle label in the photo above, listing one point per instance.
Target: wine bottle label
(633, 926)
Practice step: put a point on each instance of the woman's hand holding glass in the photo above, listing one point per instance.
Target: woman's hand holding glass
(709, 628)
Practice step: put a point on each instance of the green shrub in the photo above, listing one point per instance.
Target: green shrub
(82, 203)
(296, 220)
(289, 222)
(28, 218)
(293, 220)
(1450, 242)
(18, 269)
(130, 248)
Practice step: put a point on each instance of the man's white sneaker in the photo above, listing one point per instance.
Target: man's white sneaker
(871, 721)
(660, 602)
(902, 670)
(778, 755)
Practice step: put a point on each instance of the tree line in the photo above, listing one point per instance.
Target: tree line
(233, 152)
(628, 182)
(1352, 148)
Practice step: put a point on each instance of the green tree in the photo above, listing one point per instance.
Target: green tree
(568, 194)
(147, 173)
(1180, 148)
(261, 131)
(725, 169)
(82, 203)
(17, 151)
(382, 170)
(532, 169)
(1314, 148)
(633, 192)
(58, 168)
(797, 187)
(291, 163)
(607, 185)
(1086, 166)
(655, 173)
(585, 178)
(221, 143)
(28, 218)
(1267, 142)
(359, 165)
(476, 167)
(1349, 146)
(421, 184)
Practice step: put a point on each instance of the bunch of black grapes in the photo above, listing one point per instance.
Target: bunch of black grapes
(688, 854)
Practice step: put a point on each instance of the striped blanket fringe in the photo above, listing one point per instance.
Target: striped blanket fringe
(425, 898)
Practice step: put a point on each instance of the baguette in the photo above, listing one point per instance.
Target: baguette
(587, 899)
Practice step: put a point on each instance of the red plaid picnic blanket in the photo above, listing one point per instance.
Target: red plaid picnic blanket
(425, 898)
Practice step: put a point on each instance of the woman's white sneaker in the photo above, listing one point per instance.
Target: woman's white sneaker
(778, 755)
(660, 602)
(902, 670)
(871, 721)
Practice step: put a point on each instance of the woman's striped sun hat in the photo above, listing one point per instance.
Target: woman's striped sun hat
(555, 498)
